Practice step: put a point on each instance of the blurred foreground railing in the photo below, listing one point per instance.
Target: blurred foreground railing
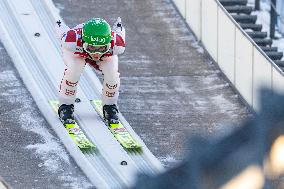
(252, 157)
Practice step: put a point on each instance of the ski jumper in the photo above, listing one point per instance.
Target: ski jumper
(75, 59)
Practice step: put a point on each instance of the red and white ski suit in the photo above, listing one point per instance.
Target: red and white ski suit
(75, 59)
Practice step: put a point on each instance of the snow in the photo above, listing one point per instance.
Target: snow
(52, 154)
(224, 105)
(179, 32)
(263, 17)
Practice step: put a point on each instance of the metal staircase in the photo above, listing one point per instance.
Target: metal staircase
(242, 14)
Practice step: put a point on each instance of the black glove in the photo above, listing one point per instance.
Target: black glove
(117, 25)
(58, 22)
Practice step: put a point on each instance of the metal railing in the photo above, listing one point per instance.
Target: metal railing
(276, 17)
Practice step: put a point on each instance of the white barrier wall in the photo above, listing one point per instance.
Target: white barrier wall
(226, 45)
(244, 64)
(209, 25)
(277, 81)
(181, 6)
(262, 75)
(193, 16)
(244, 67)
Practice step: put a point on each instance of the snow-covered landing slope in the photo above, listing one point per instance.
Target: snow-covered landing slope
(38, 60)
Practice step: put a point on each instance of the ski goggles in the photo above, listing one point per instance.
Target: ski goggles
(99, 49)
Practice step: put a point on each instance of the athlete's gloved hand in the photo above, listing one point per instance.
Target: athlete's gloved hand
(117, 26)
(60, 29)
(58, 23)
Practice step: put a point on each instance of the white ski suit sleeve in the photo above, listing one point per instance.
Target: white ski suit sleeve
(119, 31)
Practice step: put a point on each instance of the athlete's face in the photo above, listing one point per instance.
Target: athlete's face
(96, 56)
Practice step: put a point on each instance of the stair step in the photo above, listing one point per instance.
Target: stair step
(249, 19)
(233, 2)
(279, 63)
(263, 42)
(271, 49)
(239, 9)
(257, 34)
(254, 27)
(282, 68)
(275, 55)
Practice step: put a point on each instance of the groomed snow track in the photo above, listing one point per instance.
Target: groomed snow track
(27, 33)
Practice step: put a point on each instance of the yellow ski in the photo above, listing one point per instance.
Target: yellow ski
(74, 131)
(118, 130)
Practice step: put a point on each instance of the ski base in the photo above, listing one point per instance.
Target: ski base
(74, 131)
(118, 130)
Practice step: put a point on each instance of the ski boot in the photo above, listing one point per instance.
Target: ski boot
(111, 114)
(65, 113)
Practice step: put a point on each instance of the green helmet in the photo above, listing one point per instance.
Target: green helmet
(96, 31)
